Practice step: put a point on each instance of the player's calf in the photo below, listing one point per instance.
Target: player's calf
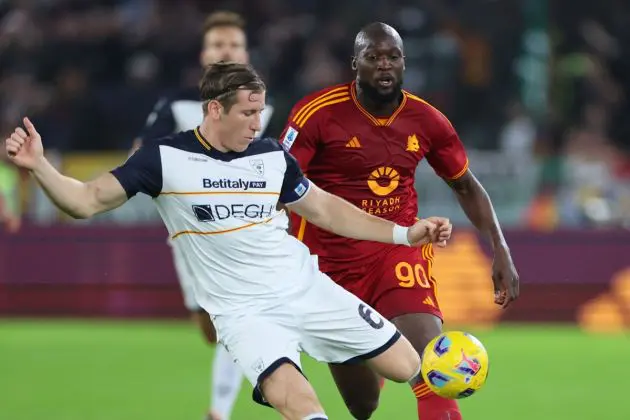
(422, 328)
(288, 391)
(359, 387)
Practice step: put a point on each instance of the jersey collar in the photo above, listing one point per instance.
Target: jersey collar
(372, 118)
(202, 139)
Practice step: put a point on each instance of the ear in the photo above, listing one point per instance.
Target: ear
(354, 63)
(214, 110)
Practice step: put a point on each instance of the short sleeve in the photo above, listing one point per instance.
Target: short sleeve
(300, 137)
(295, 185)
(142, 172)
(160, 122)
(447, 155)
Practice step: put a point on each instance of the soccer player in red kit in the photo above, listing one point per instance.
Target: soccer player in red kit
(363, 141)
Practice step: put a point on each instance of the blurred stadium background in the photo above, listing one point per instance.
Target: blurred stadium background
(92, 325)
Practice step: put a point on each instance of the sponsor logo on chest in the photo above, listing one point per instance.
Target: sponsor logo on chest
(233, 184)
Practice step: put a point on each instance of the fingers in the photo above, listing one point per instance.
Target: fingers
(13, 144)
(438, 230)
(443, 235)
(432, 229)
(500, 297)
(18, 138)
(440, 221)
(20, 132)
(504, 297)
(444, 232)
(513, 287)
(30, 127)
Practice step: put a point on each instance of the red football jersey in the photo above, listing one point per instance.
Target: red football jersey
(368, 161)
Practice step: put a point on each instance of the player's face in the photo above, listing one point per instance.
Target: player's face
(240, 124)
(380, 66)
(224, 43)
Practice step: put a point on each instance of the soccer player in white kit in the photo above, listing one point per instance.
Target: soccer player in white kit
(217, 190)
(224, 39)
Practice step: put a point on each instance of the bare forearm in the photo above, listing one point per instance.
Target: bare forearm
(344, 219)
(476, 203)
(70, 195)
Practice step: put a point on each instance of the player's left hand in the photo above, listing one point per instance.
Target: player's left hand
(430, 230)
(504, 277)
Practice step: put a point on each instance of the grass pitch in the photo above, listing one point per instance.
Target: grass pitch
(130, 370)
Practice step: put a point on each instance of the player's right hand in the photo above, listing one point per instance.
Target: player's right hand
(24, 148)
(435, 230)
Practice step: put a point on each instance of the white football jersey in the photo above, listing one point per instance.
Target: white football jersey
(220, 209)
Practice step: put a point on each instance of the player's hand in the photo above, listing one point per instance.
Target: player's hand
(504, 277)
(430, 230)
(443, 232)
(24, 148)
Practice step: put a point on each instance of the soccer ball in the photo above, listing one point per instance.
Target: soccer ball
(455, 365)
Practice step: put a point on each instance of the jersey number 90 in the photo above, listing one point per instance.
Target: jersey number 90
(409, 275)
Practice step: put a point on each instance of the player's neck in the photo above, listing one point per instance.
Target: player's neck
(211, 137)
(376, 107)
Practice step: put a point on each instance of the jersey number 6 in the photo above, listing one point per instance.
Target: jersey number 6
(408, 276)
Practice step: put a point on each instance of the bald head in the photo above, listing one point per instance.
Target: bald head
(375, 33)
(379, 63)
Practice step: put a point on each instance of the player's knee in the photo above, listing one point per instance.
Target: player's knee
(362, 409)
(400, 363)
(409, 361)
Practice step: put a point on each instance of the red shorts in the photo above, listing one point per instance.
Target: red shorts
(397, 283)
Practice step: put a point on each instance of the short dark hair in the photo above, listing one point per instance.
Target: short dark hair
(222, 81)
(223, 18)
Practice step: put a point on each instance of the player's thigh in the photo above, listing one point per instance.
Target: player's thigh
(259, 344)
(405, 283)
(289, 392)
(202, 319)
(359, 387)
(400, 362)
(339, 327)
(185, 278)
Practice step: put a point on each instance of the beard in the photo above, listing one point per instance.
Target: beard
(374, 95)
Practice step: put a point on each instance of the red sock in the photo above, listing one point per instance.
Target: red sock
(434, 407)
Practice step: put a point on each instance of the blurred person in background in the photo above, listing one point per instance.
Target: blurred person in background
(224, 39)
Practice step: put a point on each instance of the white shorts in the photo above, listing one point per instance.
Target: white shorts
(326, 322)
(185, 277)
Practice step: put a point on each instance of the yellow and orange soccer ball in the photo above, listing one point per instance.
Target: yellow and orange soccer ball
(455, 365)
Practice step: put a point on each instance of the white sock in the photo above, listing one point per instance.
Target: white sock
(316, 416)
(226, 382)
(416, 376)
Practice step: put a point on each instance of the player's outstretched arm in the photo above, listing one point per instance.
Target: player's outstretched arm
(342, 218)
(77, 199)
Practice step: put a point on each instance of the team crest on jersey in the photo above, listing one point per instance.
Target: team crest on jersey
(258, 165)
(413, 145)
(258, 366)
